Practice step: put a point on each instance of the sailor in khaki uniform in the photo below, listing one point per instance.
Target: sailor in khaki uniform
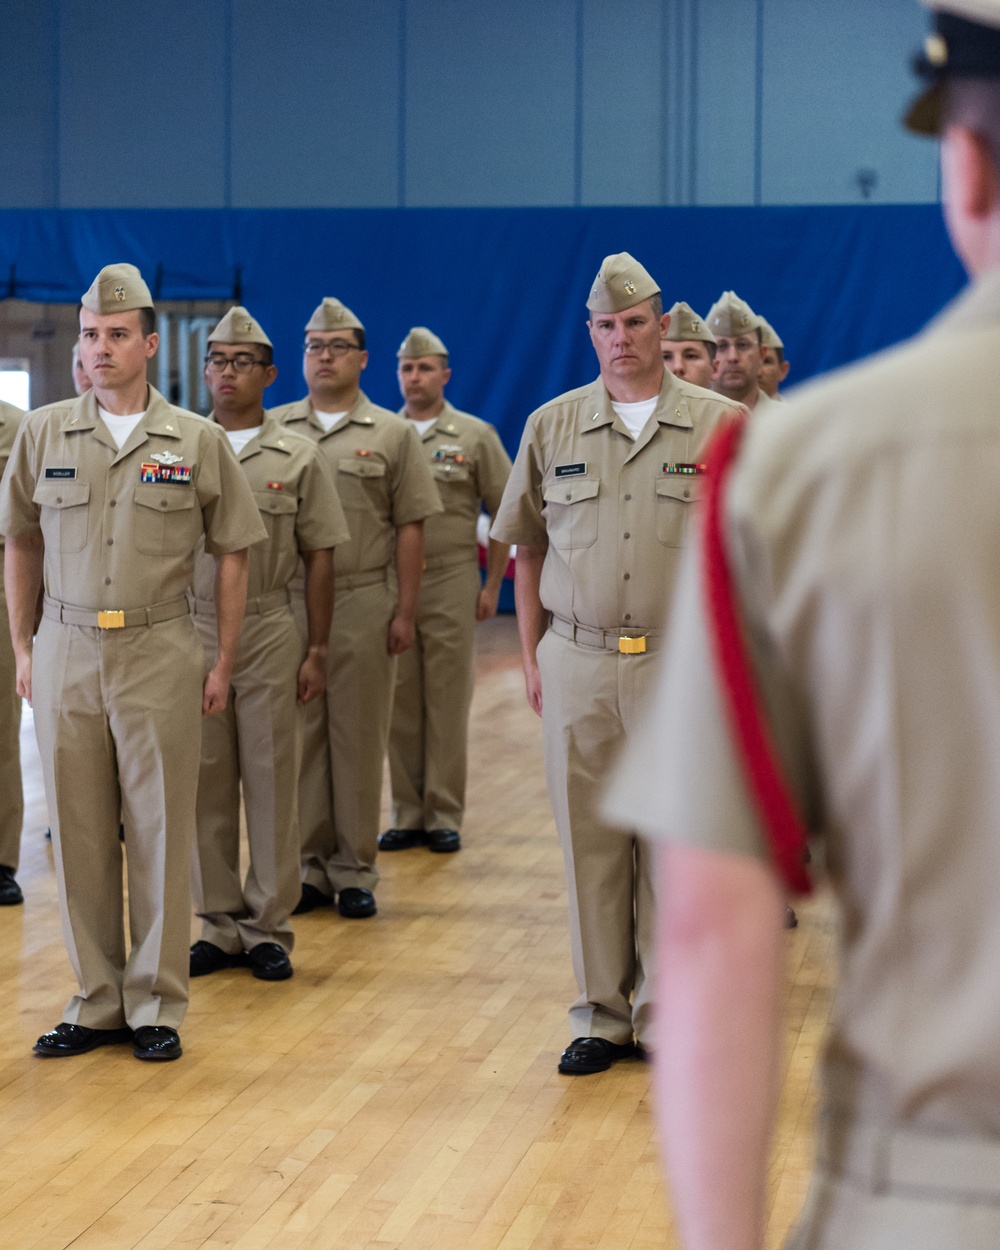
(861, 530)
(107, 496)
(11, 793)
(599, 503)
(254, 744)
(428, 742)
(773, 367)
(739, 354)
(688, 346)
(387, 492)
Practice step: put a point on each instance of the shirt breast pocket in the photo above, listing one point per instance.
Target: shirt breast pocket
(65, 508)
(571, 512)
(278, 512)
(674, 499)
(165, 522)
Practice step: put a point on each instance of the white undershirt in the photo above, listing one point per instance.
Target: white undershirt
(423, 426)
(635, 416)
(238, 439)
(328, 419)
(120, 427)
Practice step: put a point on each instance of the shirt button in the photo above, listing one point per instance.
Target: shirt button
(627, 534)
(163, 503)
(628, 496)
(58, 498)
(627, 576)
(628, 616)
(112, 503)
(111, 542)
(107, 581)
(687, 494)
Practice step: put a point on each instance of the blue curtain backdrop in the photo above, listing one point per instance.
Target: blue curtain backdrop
(505, 288)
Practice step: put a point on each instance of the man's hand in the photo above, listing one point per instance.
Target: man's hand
(312, 678)
(215, 692)
(486, 604)
(402, 635)
(22, 665)
(533, 687)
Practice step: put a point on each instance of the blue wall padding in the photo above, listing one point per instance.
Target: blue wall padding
(505, 288)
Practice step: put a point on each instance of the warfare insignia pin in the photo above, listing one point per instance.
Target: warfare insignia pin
(629, 287)
(120, 294)
(166, 457)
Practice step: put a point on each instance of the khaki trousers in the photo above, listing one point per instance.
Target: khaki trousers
(118, 718)
(590, 701)
(428, 741)
(11, 794)
(345, 738)
(256, 743)
(902, 1190)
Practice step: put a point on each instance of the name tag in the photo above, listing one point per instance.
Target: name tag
(572, 470)
(61, 474)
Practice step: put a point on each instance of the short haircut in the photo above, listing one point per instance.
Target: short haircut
(712, 349)
(147, 321)
(359, 336)
(657, 303)
(266, 353)
(780, 353)
(975, 102)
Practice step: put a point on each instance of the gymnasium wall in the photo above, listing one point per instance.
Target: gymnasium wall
(458, 103)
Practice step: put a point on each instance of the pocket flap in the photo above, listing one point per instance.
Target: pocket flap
(686, 489)
(166, 498)
(572, 490)
(276, 502)
(63, 494)
(451, 472)
(362, 466)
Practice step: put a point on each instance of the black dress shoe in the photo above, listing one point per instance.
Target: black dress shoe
(444, 841)
(10, 891)
(311, 899)
(206, 957)
(585, 1055)
(356, 904)
(401, 839)
(270, 962)
(76, 1039)
(156, 1041)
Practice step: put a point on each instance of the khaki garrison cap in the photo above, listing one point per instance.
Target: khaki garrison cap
(237, 327)
(117, 288)
(730, 315)
(333, 315)
(621, 283)
(965, 43)
(686, 326)
(769, 335)
(421, 342)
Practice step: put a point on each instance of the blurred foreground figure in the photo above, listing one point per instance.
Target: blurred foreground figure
(861, 531)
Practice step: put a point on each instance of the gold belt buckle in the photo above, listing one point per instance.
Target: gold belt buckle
(114, 619)
(632, 646)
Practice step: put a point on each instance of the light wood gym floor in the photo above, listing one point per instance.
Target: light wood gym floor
(399, 1091)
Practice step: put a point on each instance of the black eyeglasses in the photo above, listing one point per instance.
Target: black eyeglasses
(313, 347)
(241, 364)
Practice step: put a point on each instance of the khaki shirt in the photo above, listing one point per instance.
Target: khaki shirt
(298, 505)
(112, 539)
(471, 468)
(764, 402)
(864, 531)
(381, 478)
(10, 420)
(614, 518)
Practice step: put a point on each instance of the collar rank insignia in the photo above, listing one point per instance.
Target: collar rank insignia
(276, 486)
(166, 457)
(684, 470)
(179, 474)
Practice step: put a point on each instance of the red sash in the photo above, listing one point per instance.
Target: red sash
(776, 807)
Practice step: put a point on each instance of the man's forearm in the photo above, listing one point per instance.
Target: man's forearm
(230, 603)
(409, 567)
(532, 617)
(318, 598)
(22, 576)
(497, 559)
(718, 1040)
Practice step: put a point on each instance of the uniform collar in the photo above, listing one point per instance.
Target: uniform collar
(977, 307)
(444, 423)
(270, 435)
(671, 407)
(358, 414)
